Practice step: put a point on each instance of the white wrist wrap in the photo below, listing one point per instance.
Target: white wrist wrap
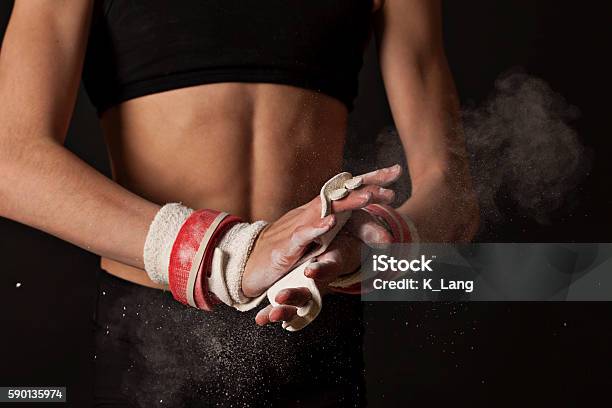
(160, 239)
(229, 261)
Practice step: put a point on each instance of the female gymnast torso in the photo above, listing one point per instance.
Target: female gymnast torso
(239, 106)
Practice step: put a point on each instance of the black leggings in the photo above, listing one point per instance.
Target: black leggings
(153, 351)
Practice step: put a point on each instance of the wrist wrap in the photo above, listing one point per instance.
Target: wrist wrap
(402, 228)
(229, 261)
(191, 257)
(161, 236)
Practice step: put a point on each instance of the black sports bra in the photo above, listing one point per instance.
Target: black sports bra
(141, 47)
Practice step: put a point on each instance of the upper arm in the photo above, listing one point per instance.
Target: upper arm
(409, 33)
(41, 60)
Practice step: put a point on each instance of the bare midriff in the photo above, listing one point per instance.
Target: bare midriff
(253, 150)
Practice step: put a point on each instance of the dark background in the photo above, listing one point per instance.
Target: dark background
(459, 353)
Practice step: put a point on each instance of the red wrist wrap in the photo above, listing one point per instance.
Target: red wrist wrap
(401, 234)
(397, 225)
(191, 256)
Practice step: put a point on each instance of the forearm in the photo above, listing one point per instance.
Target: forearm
(443, 204)
(45, 186)
(425, 108)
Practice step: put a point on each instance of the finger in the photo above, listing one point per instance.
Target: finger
(326, 269)
(294, 296)
(363, 226)
(380, 195)
(364, 196)
(353, 201)
(263, 316)
(282, 313)
(383, 177)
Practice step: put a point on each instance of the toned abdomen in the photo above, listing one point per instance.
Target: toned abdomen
(254, 150)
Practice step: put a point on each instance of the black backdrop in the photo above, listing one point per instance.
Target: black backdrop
(460, 353)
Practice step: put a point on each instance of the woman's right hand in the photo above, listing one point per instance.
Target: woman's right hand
(282, 243)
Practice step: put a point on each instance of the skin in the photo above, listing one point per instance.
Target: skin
(247, 149)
